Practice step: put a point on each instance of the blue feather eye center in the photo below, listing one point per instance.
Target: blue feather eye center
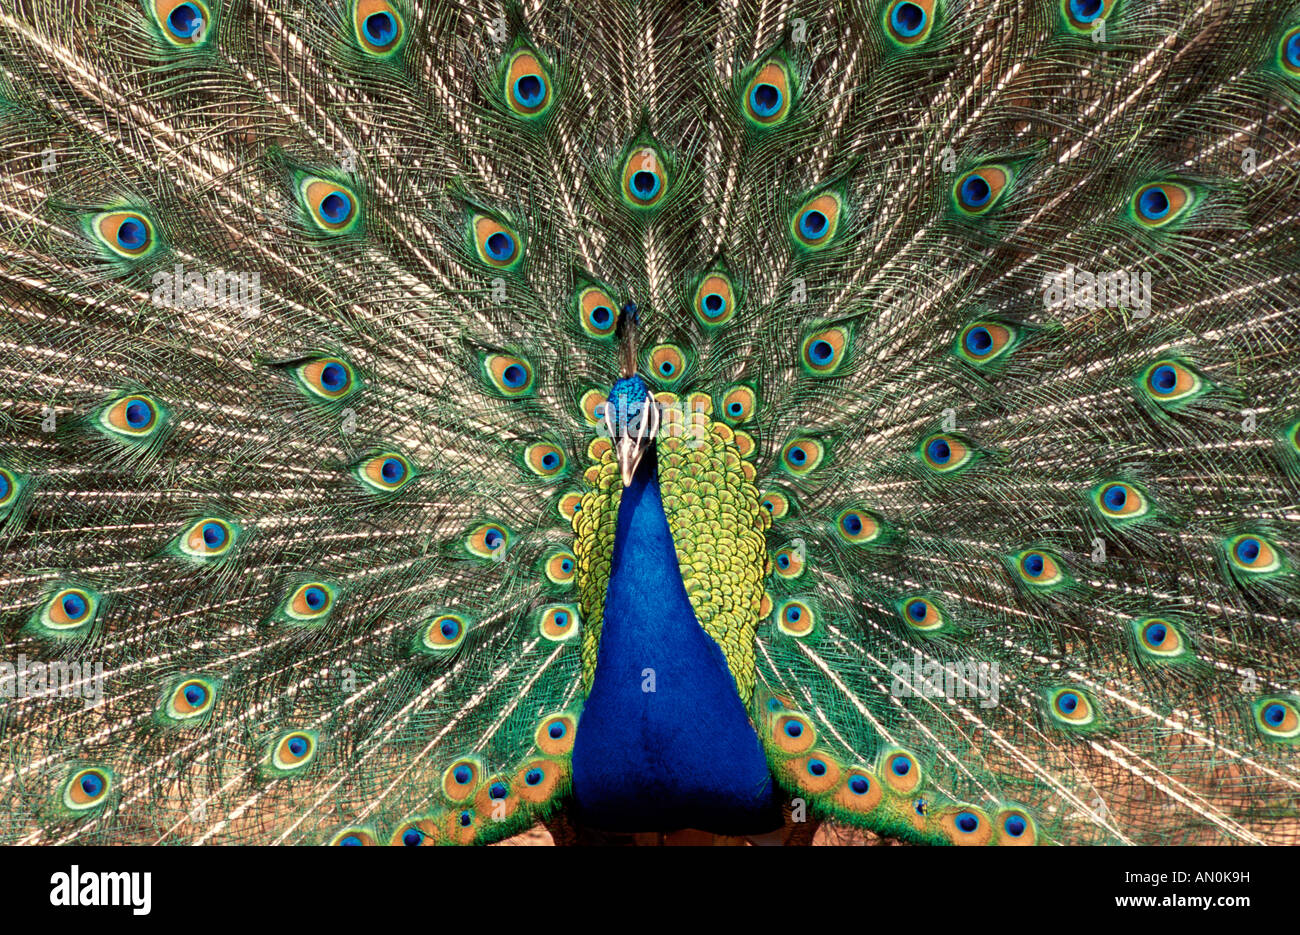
(1248, 550)
(713, 304)
(813, 224)
(350, 841)
(195, 695)
(1293, 49)
(297, 746)
(601, 316)
(381, 28)
(1155, 633)
(534, 776)
(566, 565)
(783, 560)
(817, 767)
(793, 729)
(821, 352)
(1153, 203)
(908, 19)
(1014, 826)
(851, 523)
(530, 90)
(1164, 379)
(1068, 702)
(968, 822)
(449, 628)
(74, 605)
(493, 538)
(859, 785)
(497, 790)
(392, 470)
(412, 837)
(735, 409)
(550, 460)
(4, 485)
(798, 455)
(314, 597)
(92, 784)
(335, 207)
(184, 21)
(466, 819)
(1275, 714)
(214, 535)
(462, 775)
(644, 184)
(901, 765)
(334, 377)
(513, 376)
(1115, 496)
(501, 246)
(1033, 565)
(917, 610)
(138, 414)
(557, 730)
(1085, 11)
(978, 341)
(793, 614)
(560, 619)
(765, 99)
(132, 234)
(939, 451)
(667, 368)
(975, 191)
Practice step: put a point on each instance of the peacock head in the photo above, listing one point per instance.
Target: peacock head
(631, 413)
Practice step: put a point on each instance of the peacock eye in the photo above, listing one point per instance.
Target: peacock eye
(1278, 718)
(509, 375)
(327, 378)
(1159, 203)
(595, 310)
(977, 191)
(645, 178)
(815, 223)
(795, 618)
(767, 95)
(1288, 52)
(527, 86)
(132, 418)
(309, 603)
(982, 342)
(715, 299)
(922, 614)
(332, 207)
(66, 614)
(944, 453)
(909, 22)
(496, 244)
(801, 455)
(1072, 707)
(378, 27)
(87, 788)
(290, 753)
(1120, 502)
(559, 622)
(127, 235)
(1253, 554)
(824, 351)
(183, 23)
(1083, 16)
(208, 538)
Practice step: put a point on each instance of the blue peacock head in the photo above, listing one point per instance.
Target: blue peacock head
(631, 413)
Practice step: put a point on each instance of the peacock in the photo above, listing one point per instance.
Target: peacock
(425, 419)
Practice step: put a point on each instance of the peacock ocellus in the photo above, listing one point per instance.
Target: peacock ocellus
(423, 419)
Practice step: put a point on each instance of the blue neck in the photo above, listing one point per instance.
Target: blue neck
(664, 741)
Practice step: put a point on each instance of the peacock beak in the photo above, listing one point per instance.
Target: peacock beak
(630, 453)
(635, 440)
